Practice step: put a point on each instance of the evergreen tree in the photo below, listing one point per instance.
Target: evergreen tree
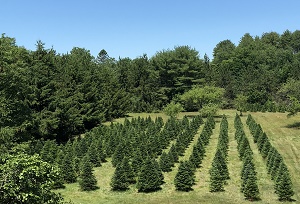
(200, 147)
(218, 174)
(48, 152)
(68, 168)
(149, 178)
(101, 150)
(87, 180)
(257, 132)
(216, 180)
(94, 155)
(275, 165)
(159, 172)
(283, 185)
(59, 183)
(248, 166)
(266, 148)
(251, 191)
(123, 176)
(173, 153)
(261, 141)
(128, 169)
(118, 155)
(165, 163)
(195, 158)
(185, 178)
(137, 161)
(270, 158)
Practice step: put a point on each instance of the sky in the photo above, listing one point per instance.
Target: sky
(131, 28)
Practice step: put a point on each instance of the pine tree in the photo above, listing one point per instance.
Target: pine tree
(137, 161)
(218, 174)
(149, 178)
(159, 172)
(173, 153)
(200, 147)
(119, 181)
(251, 191)
(266, 148)
(48, 152)
(185, 178)
(165, 163)
(257, 133)
(128, 170)
(118, 155)
(68, 168)
(248, 166)
(243, 146)
(195, 158)
(261, 141)
(87, 180)
(216, 180)
(220, 159)
(270, 158)
(101, 150)
(275, 165)
(283, 185)
(94, 154)
(82, 147)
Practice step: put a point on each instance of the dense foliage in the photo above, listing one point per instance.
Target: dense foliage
(56, 96)
(27, 179)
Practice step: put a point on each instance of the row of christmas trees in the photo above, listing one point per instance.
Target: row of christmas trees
(275, 164)
(219, 171)
(248, 174)
(185, 177)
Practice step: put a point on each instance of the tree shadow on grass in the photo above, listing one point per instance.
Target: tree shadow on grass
(288, 200)
(295, 125)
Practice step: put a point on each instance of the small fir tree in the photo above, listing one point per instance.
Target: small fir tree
(195, 158)
(218, 175)
(118, 155)
(185, 178)
(149, 178)
(261, 141)
(251, 191)
(119, 181)
(87, 180)
(165, 163)
(128, 170)
(248, 166)
(101, 150)
(68, 169)
(275, 166)
(283, 185)
(94, 155)
(265, 149)
(137, 161)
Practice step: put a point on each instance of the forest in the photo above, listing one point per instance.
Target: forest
(54, 105)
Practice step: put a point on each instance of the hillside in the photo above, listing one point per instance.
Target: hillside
(281, 132)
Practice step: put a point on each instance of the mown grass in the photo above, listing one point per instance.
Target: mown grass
(281, 132)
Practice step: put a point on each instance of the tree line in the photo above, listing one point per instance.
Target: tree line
(48, 95)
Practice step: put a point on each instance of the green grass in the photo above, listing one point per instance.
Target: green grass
(283, 132)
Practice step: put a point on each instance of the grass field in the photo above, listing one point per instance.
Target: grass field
(283, 132)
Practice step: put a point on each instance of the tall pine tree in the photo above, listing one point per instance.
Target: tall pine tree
(87, 180)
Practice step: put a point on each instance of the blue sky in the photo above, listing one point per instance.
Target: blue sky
(130, 28)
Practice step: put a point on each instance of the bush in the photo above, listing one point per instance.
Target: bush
(172, 109)
(209, 110)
